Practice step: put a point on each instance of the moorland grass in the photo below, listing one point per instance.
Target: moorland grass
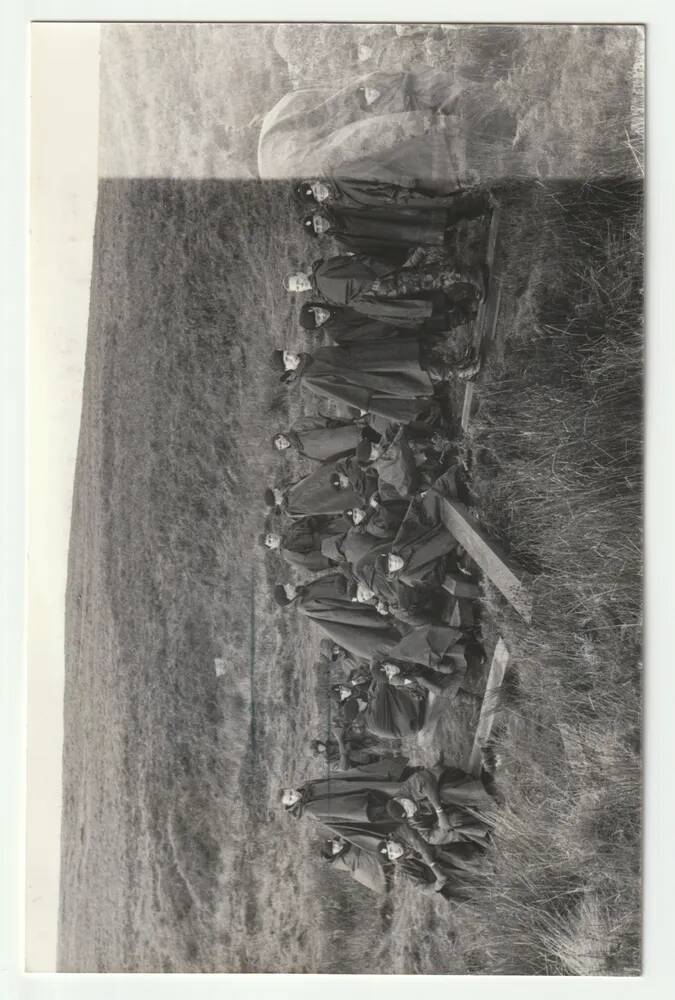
(556, 461)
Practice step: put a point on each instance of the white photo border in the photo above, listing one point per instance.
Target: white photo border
(659, 882)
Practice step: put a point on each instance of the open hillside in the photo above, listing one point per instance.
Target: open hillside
(175, 855)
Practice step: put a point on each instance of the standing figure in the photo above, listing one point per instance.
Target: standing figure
(312, 495)
(330, 602)
(366, 868)
(403, 296)
(340, 193)
(345, 325)
(352, 803)
(383, 377)
(300, 544)
(321, 438)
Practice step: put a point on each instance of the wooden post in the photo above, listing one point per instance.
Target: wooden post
(466, 405)
(486, 310)
(491, 323)
(486, 320)
(503, 572)
(462, 614)
(500, 661)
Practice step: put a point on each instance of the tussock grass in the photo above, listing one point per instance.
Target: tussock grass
(185, 804)
(555, 451)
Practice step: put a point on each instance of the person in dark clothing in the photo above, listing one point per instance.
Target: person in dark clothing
(312, 495)
(352, 803)
(431, 869)
(381, 518)
(345, 325)
(394, 460)
(446, 806)
(402, 296)
(393, 713)
(391, 379)
(329, 601)
(345, 750)
(389, 234)
(350, 475)
(322, 439)
(342, 192)
(368, 869)
(362, 232)
(300, 543)
(421, 548)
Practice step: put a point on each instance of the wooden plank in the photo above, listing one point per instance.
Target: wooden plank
(459, 586)
(491, 326)
(490, 706)
(484, 307)
(466, 406)
(492, 235)
(486, 325)
(486, 318)
(462, 615)
(504, 573)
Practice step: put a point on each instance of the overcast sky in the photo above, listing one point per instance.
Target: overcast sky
(64, 144)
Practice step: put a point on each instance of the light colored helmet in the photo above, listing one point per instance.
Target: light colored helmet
(295, 282)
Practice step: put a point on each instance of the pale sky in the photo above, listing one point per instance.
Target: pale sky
(64, 146)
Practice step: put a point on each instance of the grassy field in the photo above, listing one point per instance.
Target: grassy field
(170, 816)
(175, 856)
(555, 451)
(187, 100)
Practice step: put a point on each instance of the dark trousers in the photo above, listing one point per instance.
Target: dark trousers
(467, 206)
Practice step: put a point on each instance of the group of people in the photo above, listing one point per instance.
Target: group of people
(364, 531)
(389, 301)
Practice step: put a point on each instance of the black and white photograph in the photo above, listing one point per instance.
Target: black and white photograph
(334, 585)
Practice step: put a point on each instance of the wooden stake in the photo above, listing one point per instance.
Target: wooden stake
(486, 320)
(490, 706)
(462, 614)
(504, 573)
(466, 406)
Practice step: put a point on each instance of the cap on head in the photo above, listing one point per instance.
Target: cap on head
(303, 192)
(280, 596)
(395, 810)
(280, 441)
(307, 317)
(308, 225)
(295, 282)
(277, 361)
